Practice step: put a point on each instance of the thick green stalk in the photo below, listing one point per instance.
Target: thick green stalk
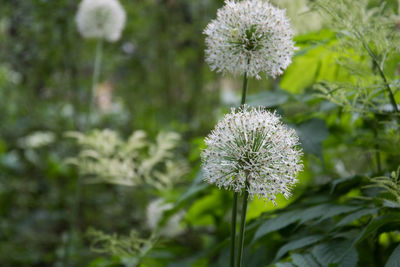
(244, 89)
(236, 194)
(242, 228)
(233, 228)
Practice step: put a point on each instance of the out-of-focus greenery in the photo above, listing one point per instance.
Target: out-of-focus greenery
(344, 211)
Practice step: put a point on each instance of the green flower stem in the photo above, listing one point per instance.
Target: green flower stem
(244, 89)
(236, 194)
(242, 228)
(95, 79)
(233, 229)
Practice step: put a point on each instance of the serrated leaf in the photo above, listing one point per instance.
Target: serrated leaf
(394, 259)
(335, 251)
(390, 204)
(287, 218)
(337, 210)
(355, 216)
(344, 184)
(350, 259)
(306, 260)
(296, 244)
(375, 224)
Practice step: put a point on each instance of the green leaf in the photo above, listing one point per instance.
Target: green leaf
(296, 244)
(318, 62)
(306, 260)
(332, 211)
(197, 186)
(350, 259)
(284, 264)
(355, 216)
(336, 251)
(303, 215)
(375, 224)
(277, 223)
(268, 99)
(312, 133)
(394, 259)
(204, 210)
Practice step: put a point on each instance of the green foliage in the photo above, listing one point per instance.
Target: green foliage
(105, 157)
(131, 247)
(344, 211)
(391, 184)
(368, 41)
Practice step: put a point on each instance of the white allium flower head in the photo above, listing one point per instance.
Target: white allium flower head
(154, 214)
(251, 149)
(103, 19)
(250, 36)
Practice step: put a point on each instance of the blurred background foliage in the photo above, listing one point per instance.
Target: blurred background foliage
(154, 82)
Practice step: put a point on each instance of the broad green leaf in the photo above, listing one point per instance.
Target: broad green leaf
(394, 259)
(390, 204)
(350, 259)
(355, 216)
(337, 210)
(336, 251)
(377, 223)
(312, 133)
(296, 244)
(301, 215)
(203, 211)
(197, 186)
(277, 223)
(306, 260)
(313, 64)
(268, 99)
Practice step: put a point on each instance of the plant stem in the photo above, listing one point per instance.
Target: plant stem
(242, 227)
(236, 194)
(95, 79)
(233, 228)
(377, 148)
(244, 88)
(380, 70)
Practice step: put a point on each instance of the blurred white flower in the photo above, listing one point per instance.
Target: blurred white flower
(251, 37)
(37, 139)
(102, 19)
(251, 149)
(155, 213)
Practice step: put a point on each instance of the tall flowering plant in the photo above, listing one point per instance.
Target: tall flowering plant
(250, 150)
(100, 20)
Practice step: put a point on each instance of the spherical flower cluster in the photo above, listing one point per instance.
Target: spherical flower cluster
(251, 149)
(249, 37)
(103, 19)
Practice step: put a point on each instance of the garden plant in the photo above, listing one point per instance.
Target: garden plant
(200, 133)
